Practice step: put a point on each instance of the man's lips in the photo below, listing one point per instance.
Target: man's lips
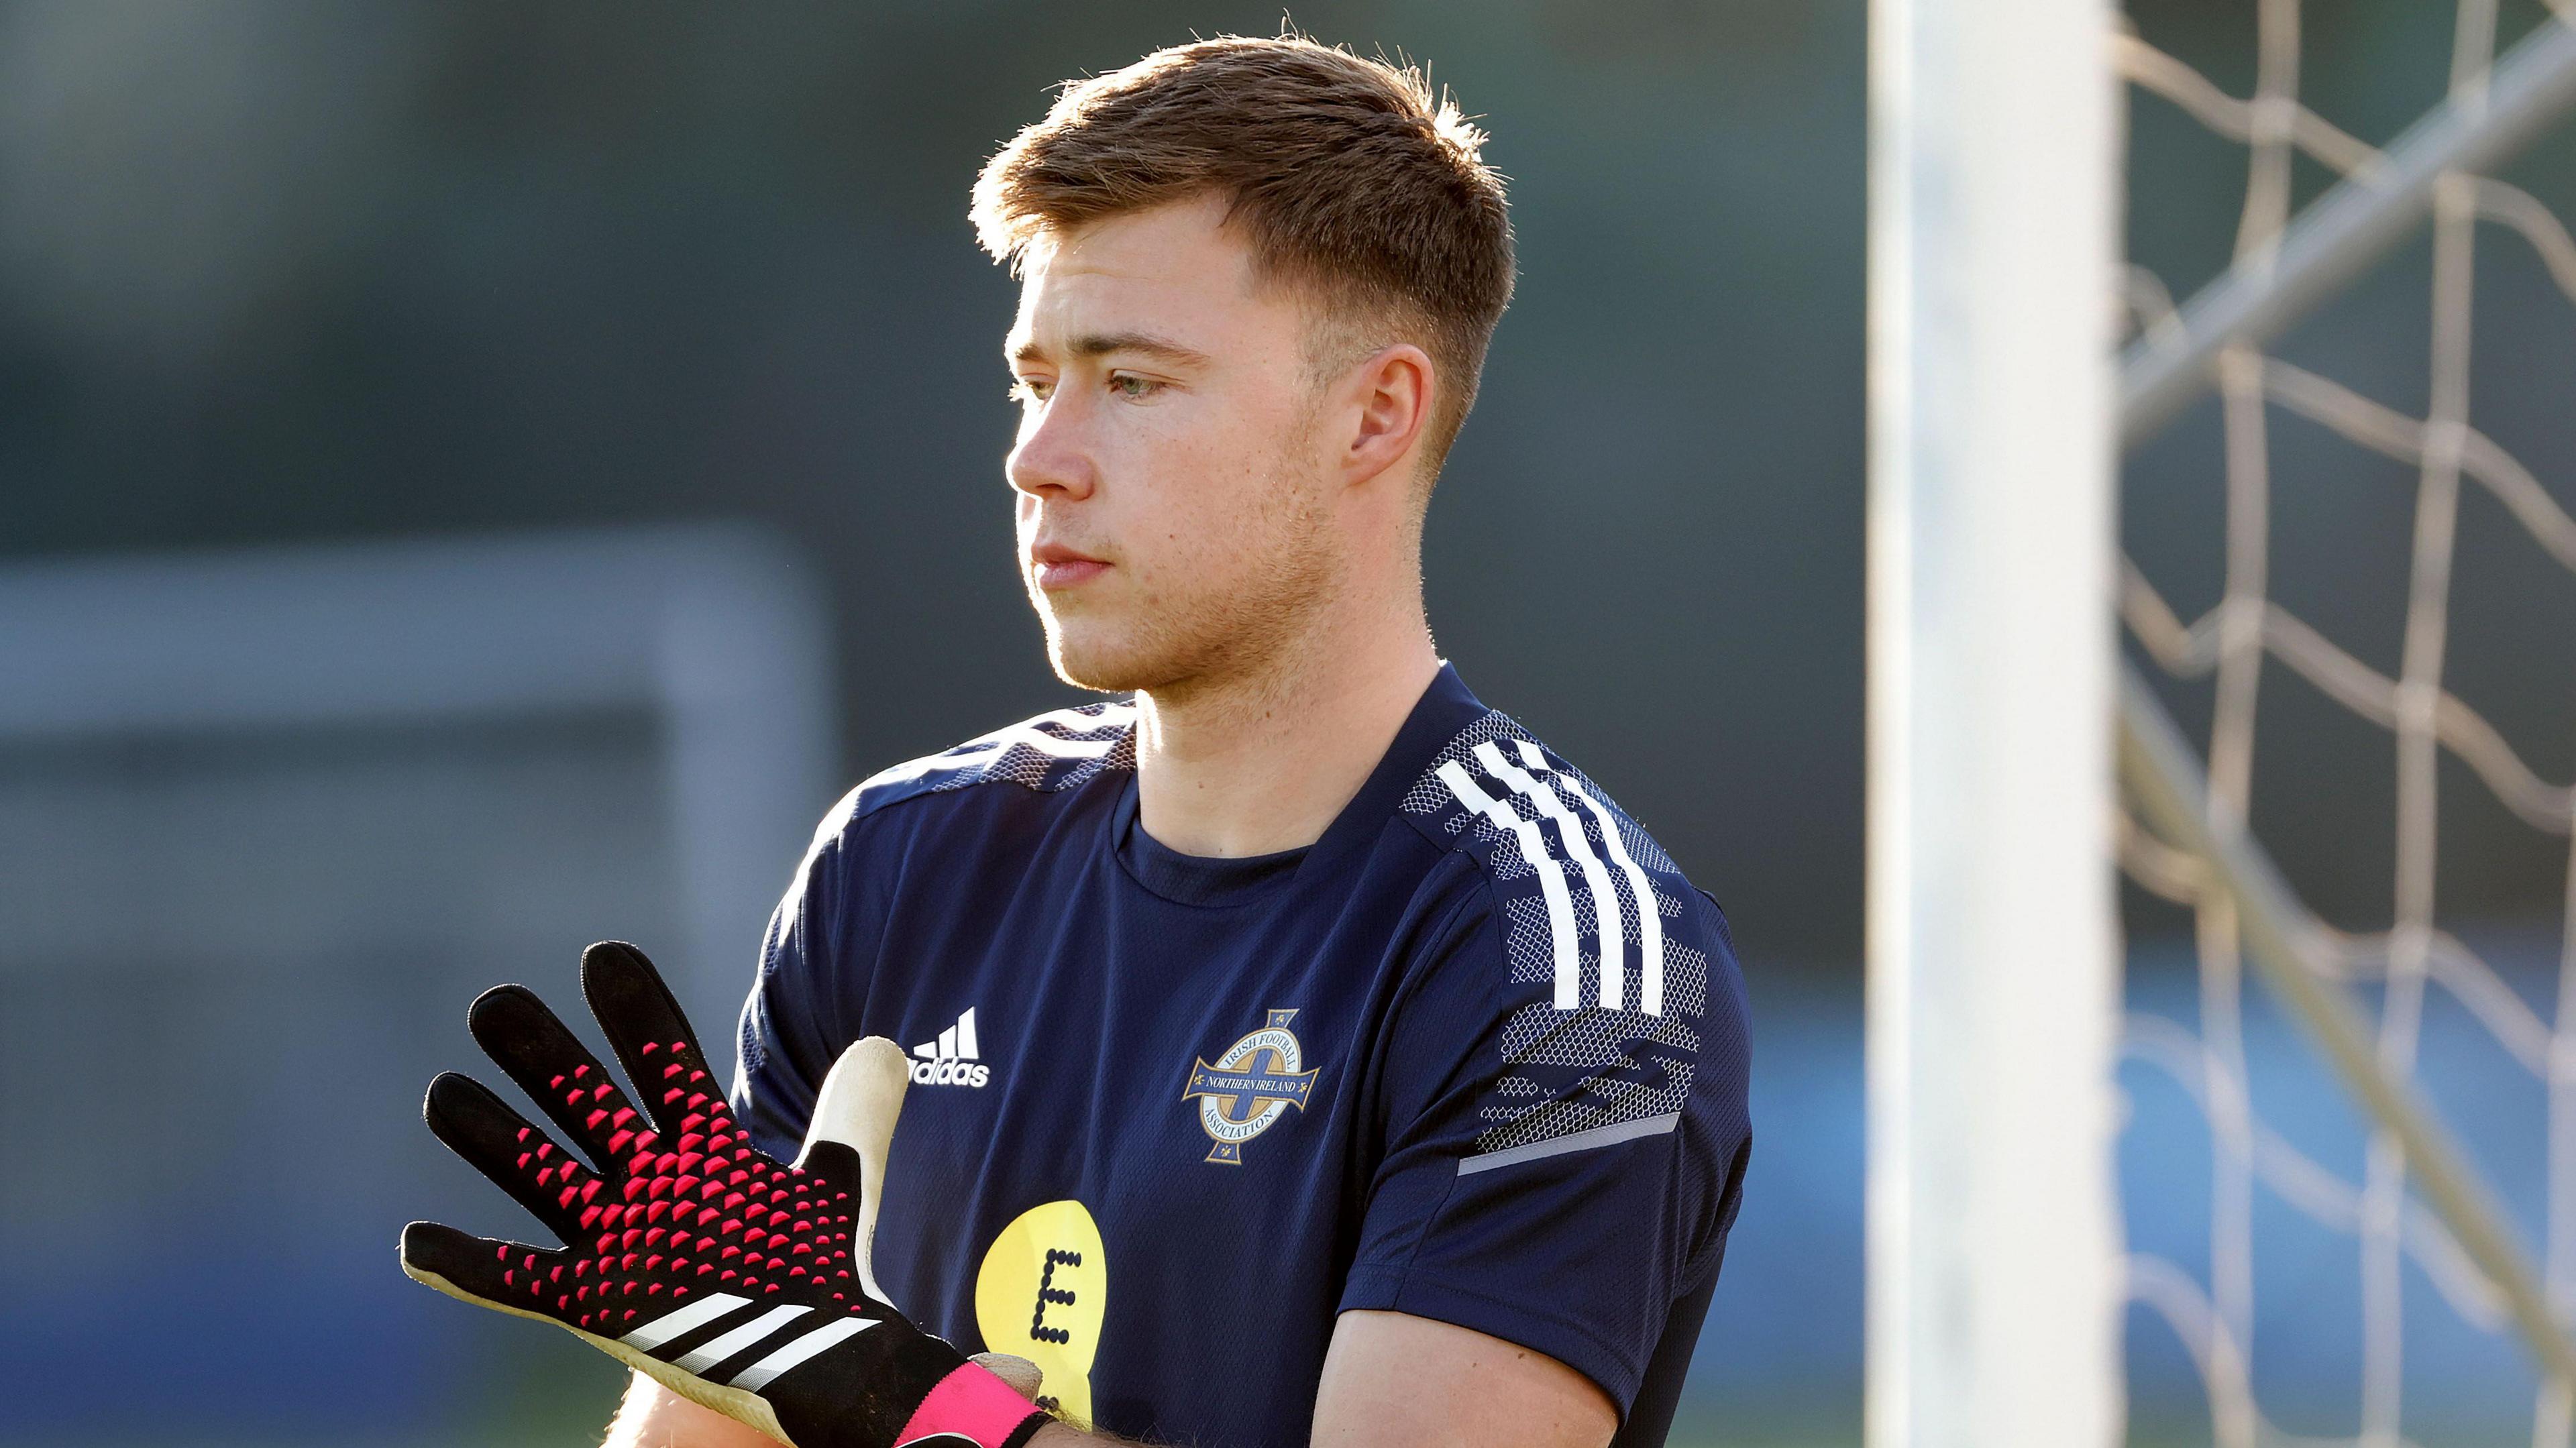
(1056, 566)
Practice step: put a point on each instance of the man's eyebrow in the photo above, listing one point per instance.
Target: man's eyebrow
(1102, 344)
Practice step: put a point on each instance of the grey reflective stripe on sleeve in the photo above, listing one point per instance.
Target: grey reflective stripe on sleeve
(1610, 1135)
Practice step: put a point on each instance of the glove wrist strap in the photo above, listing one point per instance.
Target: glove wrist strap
(972, 1404)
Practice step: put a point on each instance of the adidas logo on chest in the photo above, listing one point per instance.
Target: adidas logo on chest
(952, 1060)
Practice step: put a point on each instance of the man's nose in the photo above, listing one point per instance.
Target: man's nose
(1052, 458)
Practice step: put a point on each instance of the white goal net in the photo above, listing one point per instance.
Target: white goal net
(2439, 1203)
(2342, 428)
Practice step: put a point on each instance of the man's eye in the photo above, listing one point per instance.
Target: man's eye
(1128, 384)
(1031, 389)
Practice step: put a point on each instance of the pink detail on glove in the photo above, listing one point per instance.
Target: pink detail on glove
(971, 1403)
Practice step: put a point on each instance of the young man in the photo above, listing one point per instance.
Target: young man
(1304, 1052)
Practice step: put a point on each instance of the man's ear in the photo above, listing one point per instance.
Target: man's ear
(1389, 402)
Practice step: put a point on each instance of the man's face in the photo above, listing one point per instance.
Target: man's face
(1175, 523)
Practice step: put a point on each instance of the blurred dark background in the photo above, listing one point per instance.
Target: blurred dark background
(334, 270)
(309, 278)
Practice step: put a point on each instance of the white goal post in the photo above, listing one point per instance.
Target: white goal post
(1993, 1286)
(1999, 716)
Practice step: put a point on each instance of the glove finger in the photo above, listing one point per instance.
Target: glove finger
(518, 1158)
(512, 1276)
(644, 1026)
(857, 1108)
(516, 1030)
(1023, 1376)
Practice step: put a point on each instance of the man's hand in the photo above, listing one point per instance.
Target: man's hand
(652, 1417)
(734, 1281)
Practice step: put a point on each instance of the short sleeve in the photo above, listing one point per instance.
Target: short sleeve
(1559, 1178)
(790, 1031)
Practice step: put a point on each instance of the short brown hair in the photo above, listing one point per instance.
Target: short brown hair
(1346, 174)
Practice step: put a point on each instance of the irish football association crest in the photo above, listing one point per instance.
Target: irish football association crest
(1245, 1091)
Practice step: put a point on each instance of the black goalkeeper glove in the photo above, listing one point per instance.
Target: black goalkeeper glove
(692, 1257)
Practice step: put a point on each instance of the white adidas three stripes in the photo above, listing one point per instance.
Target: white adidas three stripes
(1548, 791)
(808, 1342)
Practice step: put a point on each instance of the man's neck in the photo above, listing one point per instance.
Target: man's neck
(1265, 763)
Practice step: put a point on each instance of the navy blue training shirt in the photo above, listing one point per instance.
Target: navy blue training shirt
(1477, 1054)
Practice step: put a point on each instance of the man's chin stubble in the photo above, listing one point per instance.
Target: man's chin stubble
(1188, 646)
(1110, 672)
(1172, 668)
